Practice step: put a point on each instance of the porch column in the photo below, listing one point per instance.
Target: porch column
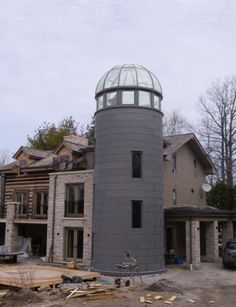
(227, 231)
(11, 231)
(192, 229)
(212, 250)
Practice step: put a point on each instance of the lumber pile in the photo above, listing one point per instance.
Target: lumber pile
(150, 299)
(92, 291)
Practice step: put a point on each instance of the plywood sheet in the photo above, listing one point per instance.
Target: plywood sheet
(31, 276)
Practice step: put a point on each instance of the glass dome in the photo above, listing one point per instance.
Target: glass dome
(129, 76)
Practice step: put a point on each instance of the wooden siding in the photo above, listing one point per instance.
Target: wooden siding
(29, 183)
(186, 180)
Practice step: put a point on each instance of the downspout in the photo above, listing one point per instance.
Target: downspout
(53, 220)
(2, 194)
(191, 250)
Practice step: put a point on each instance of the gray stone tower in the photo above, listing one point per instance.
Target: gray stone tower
(128, 196)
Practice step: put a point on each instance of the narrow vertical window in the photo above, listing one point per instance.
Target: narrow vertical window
(174, 163)
(195, 167)
(136, 213)
(174, 197)
(136, 164)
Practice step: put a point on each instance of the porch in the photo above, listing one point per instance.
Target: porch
(196, 235)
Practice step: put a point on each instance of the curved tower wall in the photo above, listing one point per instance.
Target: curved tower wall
(119, 132)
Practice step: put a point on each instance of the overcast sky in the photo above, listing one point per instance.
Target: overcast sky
(53, 53)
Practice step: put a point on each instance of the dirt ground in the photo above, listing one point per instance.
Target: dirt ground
(211, 285)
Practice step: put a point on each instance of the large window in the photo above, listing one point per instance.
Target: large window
(41, 204)
(74, 202)
(136, 164)
(127, 97)
(144, 99)
(22, 206)
(111, 99)
(136, 213)
(74, 243)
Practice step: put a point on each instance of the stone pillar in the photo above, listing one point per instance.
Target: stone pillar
(11, 228)
(51, 214)
(192, 229)
(227, 231)
(212, 250)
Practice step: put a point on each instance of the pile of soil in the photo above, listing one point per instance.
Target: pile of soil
(165, 285)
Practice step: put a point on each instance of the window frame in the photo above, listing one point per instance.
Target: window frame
(148, 94)
(174, 194)
(75, 252)
(77, 205)
(174, 163)
(137, 174)
(107, 99)
(42, 206)
(24, 205)
(122, 97)
(137, 204)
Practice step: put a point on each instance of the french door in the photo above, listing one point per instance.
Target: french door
(74, 243)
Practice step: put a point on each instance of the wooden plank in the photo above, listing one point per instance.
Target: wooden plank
(3, 293)
(32, 276)
(172, 298)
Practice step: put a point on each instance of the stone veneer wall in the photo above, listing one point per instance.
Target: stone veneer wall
(61, 222)
(11, 228)
(212, 251)
(196, 259)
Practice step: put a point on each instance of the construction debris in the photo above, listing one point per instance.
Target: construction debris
(149, 299)
(90, 290)
(167, 302)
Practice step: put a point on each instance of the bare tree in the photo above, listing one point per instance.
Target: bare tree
(218, 126)
(175, 123)
(4, 157)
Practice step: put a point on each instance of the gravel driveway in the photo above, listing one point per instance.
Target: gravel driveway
(211, 285)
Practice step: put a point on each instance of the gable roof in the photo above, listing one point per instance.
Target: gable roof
(174, 142)
(35, 154)
(73, 143)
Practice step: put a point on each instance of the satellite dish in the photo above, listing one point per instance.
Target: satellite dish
(206, 187)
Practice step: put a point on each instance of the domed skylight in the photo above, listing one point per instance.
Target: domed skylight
(131, 76)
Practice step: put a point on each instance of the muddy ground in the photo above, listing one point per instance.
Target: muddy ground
(209, 286)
